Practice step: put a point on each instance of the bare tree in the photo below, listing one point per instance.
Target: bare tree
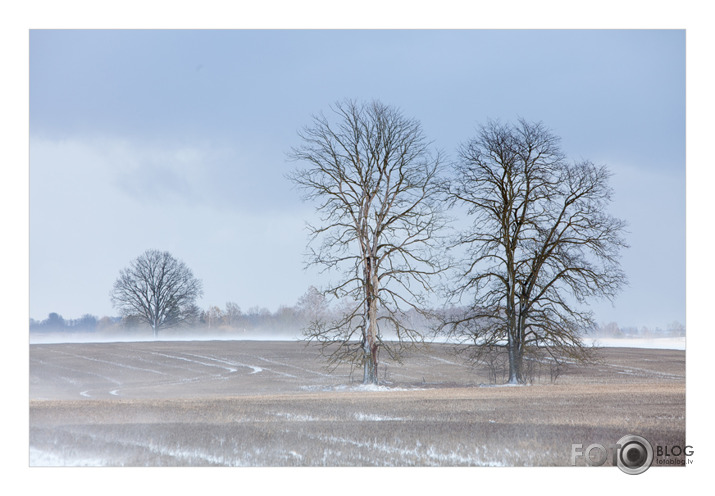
(213, 317)
(540, 245)
(312, 307)
(232, 314)
(374, 180)
(157, 289)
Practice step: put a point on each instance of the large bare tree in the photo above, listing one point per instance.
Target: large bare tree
(157, 289)
(540, 244)
(373, 177)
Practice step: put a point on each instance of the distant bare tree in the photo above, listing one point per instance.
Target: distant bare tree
(313, 307)
(232, 314)
(213, 316)
(375, 184)
(157, 289)
(540, 245)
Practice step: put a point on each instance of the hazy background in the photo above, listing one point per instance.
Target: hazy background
(177, 140)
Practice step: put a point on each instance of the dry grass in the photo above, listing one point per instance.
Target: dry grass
(272, 404)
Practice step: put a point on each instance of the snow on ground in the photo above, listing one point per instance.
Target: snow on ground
(371, 417)
(670, 343)
(676, 343)
(358, 387)
(136, 337)
(43, 458)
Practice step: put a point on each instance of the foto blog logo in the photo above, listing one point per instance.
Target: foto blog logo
(632, 454)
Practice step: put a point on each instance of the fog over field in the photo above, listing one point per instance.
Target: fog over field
(170, 335)
(667, 343)
(273, 403)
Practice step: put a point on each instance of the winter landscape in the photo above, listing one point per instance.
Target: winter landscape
(357, 248)
(273, 403)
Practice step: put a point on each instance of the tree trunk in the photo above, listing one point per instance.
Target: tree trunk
(370, 367)
(370, 350)
(512, 330)
(520, 336)
(515, 363)
(370, 345)
(516, 348)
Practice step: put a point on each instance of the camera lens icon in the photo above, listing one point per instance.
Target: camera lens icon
(635, 454)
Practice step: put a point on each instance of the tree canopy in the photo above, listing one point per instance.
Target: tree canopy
(157, 289)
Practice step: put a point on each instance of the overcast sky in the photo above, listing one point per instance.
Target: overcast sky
(177, 140)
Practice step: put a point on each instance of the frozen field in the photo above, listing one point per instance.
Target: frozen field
(257, 403)
(674, 343)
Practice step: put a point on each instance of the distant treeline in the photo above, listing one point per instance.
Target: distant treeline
(231, 318)
(674, 329)
(87, 323)
(290, 319)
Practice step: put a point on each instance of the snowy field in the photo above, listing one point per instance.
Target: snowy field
(670, 343)
(676, 343)
(146, 336)
(262, 403)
